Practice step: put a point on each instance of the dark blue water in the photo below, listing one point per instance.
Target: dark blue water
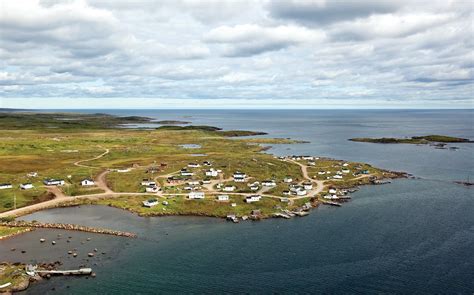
(411, 236)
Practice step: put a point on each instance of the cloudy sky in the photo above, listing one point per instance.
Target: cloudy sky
(236, 54)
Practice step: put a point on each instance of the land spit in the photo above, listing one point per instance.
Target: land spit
(69, 227)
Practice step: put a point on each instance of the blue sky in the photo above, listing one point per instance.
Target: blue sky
(236, 54)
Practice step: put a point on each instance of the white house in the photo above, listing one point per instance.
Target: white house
(287, 179)
(308, 158)
(239, 176)
(5, 185)
(345, 170)
(223, 197)
(26, 186)
(322, 172)
(308, 185)
(151, 189)
(337, 176)
(123, 170)
(284, 200)
(252, 198)
(194, 165)
(193, 182)
(185, 172)
(301, 192)
(53, 182)
(87, 182)
(32, 174)
(345, 164)
(233, 205)
(212, 172)
(254, 188)
(286, 193)
(229, 188)
(150, 203)
(332, 191)
(196, 195)
(268, 183)
(207, 163)
(311, 163)
(148, 182)
(206, 181)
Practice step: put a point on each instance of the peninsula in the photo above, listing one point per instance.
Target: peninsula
(52, 160)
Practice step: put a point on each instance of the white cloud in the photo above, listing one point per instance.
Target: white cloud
(251, 39)
(239, 51)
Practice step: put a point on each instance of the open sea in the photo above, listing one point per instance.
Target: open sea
(410, 236)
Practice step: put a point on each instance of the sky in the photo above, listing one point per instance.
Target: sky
(236, 54)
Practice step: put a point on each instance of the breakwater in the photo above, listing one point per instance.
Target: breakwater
(66, 226)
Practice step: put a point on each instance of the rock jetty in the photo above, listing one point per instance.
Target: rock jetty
(69, 227)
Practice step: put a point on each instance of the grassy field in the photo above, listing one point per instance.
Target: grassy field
(54, 144)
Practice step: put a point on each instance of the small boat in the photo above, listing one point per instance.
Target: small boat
(42, 240)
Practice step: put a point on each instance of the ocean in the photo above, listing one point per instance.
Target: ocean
(410, 236)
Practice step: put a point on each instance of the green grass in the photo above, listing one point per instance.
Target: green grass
(179, 205)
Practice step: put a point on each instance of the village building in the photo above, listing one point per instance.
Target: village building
(254, 188)
(207, 163)
(58, 182)
(223, 197)
(287, 179)
(229, 188)
(206, 181)
(5, 185)
(337, 176)
(212, 172)
(173, 180)
(87, 182)
(345, 170)
(150, 203)
(322, 172)
(185, 172)
(239, 176)
(26, 186)
(32, 174)
(308, 185)
(123, 170)
(151, 189)
(308, 158)
(332, 191)
(345, 164)
(193, 182)
(196, 195)
(148, 182)
(194, 165)
(284, 200)
(286, 193)
(252, 198)
(268, 183)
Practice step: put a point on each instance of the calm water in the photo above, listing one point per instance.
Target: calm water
(411, 236)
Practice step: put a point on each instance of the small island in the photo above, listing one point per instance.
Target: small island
(427, 139)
